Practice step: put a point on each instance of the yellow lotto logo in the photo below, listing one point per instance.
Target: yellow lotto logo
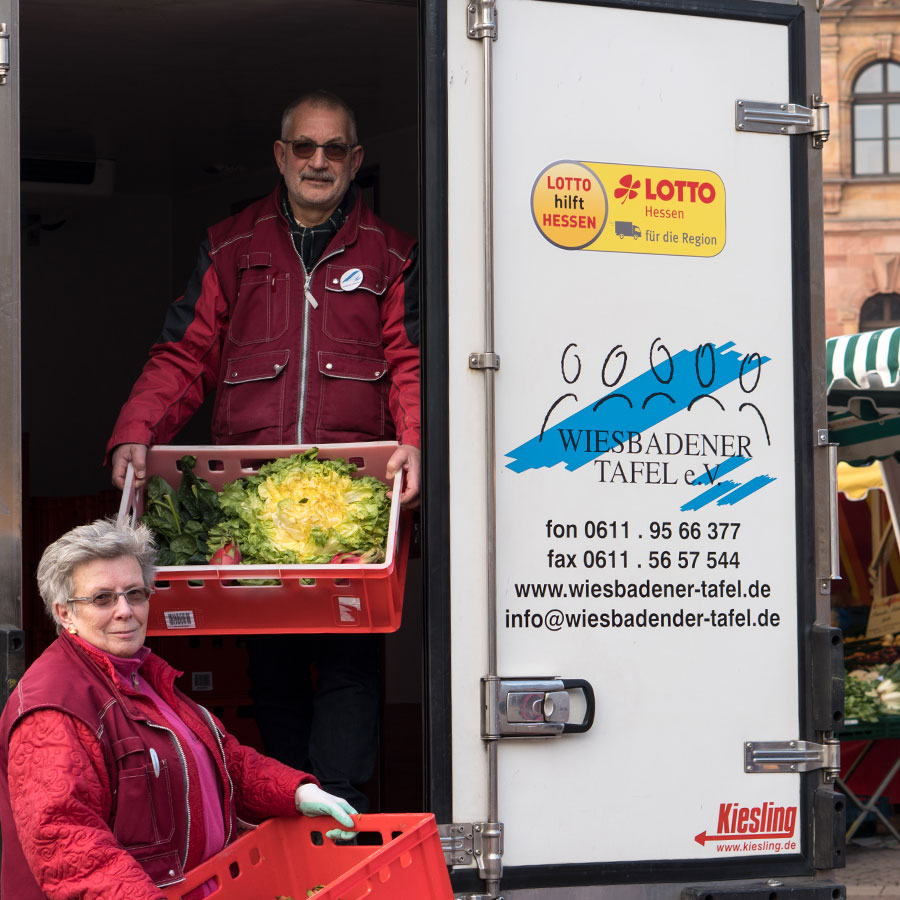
(630, 209)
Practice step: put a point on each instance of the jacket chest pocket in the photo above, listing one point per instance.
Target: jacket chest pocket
(262, 307)
(353, 304)
(144, 814)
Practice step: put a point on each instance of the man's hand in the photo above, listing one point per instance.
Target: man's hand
(408, 458)
(136, 454)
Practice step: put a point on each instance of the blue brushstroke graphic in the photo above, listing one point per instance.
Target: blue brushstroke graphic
(723, 487)
(720, 469)
(751, 487)
(725, 493)
(640, 404)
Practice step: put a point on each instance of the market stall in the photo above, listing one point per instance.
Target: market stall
(864, 422)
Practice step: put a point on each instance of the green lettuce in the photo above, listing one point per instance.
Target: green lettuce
(302, 510)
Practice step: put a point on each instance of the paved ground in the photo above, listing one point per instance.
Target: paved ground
(873, 869)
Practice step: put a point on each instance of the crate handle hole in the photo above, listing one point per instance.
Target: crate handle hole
(234, 869)
(255, 856)
(341, 582)
(358, 461)
(216, 465)
(253, 464)
(316, 838)
(159, 585)
(370, 838)
(242, 583)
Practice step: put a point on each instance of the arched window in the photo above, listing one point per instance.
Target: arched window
(876, 120)
(880, 311)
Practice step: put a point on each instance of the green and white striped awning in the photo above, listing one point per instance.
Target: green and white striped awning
(864, 395)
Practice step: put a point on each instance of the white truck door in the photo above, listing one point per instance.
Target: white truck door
(645, 372)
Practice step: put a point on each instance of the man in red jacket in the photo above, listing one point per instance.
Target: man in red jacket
(302, 314)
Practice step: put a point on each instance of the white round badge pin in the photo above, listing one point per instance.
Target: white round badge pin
(351, 279)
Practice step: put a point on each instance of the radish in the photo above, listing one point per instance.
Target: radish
(229, 555)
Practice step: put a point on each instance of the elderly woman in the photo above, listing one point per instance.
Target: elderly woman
(113, 783)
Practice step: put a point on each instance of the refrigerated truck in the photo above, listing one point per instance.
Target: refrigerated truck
(628, 468)
(632, 683)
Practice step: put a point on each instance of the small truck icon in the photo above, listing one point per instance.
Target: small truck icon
(626, 229)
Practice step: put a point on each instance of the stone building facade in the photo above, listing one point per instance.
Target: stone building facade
(861, 83)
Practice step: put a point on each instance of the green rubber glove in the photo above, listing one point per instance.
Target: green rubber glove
(311, 800)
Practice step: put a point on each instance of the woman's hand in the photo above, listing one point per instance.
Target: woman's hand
(311, 800)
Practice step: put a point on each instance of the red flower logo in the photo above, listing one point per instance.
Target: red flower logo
(629, 188)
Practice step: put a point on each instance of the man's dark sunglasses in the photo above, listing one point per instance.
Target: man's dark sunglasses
(334, 150)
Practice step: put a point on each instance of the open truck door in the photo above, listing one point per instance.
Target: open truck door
(12, 644)
(633, 680)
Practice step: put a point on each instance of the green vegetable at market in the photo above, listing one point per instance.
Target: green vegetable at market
(302, 509)
(181, 520)
(862, 700)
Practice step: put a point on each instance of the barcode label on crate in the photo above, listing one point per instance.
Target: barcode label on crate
(349, 609)
(181, 618)
(201, 681)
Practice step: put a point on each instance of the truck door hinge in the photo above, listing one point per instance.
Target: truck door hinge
(4, 53)
(532, 707)
(473, 844)
(761, 757)
(481, 19)
(784, 118)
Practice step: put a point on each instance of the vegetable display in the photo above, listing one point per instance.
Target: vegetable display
(181, 520)
(871, 693)
(296, 510)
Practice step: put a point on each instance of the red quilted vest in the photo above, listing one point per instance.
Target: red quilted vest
(149, 814)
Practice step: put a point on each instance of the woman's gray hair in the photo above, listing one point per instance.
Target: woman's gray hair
(102, 539)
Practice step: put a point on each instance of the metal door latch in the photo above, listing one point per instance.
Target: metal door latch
(792, 756)
(471, 843)
(4, 53)
(532, 707)
(784, 118)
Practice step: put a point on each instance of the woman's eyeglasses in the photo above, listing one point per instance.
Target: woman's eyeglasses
(306, 149)
(135, 597)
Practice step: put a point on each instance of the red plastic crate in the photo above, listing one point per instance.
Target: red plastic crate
(281, 858)
(307, 598)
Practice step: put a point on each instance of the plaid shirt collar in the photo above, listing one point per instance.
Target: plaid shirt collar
(311, 242)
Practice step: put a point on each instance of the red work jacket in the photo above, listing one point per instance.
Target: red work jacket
(323, 356)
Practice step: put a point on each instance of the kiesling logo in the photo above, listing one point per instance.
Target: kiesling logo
(629, 188)
(752, 823)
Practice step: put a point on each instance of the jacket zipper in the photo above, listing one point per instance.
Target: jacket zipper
(184, 769)
(308, 300)
(215, 731)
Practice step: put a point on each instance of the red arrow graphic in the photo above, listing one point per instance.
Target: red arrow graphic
(703, 837)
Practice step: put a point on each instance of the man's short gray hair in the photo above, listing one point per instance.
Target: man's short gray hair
(318, 98)
(102, 539)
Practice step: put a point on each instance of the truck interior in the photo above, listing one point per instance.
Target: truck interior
(141, 124)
